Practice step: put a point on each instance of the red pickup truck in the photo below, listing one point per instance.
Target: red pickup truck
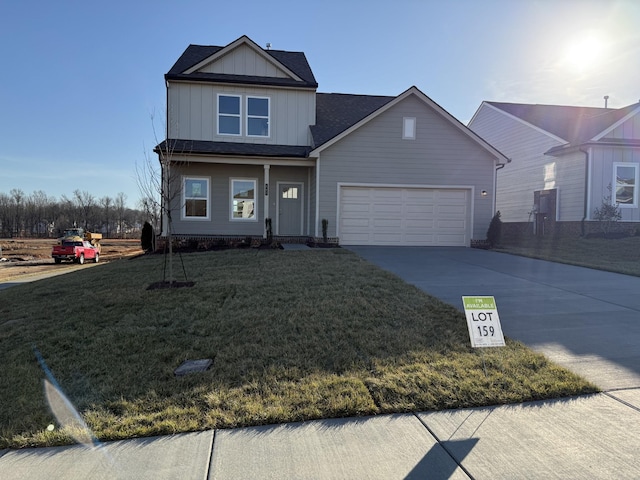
(75, 251)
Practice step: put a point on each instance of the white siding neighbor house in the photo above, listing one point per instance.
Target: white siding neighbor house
(249, 138)
(564, 163)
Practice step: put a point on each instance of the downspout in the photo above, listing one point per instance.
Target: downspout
(499, 166)
(586, 192)
(316, 234)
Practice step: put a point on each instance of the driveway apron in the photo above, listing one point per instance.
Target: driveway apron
(586, 320)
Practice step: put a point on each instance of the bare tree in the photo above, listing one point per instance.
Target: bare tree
(6, 218)
(160, 187)
(17, 196)
(107, 212)
(121, 210)
(87, 204)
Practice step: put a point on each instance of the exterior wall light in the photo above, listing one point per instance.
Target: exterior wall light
(483, 193)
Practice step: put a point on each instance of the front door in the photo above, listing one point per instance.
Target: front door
(290, 209)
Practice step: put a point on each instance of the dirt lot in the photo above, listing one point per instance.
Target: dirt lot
(22, 257)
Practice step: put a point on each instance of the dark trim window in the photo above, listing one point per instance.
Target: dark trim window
(257, 116)
(229, 116)
(243, 199)
(626, 178)
(195, 198)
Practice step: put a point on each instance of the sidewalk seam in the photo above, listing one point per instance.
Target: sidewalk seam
(207, 474)
(471, 477)
(619, 400)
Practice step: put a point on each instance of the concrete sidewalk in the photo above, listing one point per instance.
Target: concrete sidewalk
(591, 437)
(584, 319)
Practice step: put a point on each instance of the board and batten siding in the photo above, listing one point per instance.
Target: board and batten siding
(629, 129)
(439, 156)
(569, 180)
(602, 160)
(243, 60)
(219, 176)
(526, 172)
(192, 113)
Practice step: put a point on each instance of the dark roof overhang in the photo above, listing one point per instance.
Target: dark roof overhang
(205, 147)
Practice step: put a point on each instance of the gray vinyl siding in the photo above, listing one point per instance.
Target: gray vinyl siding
(525, 174)
(192, 112)
(219, 193)
(440, 155)
(569, 180)
(602, 160)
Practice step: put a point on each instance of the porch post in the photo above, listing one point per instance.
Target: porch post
(266, 199)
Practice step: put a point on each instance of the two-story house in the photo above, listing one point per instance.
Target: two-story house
(566, 161)
(249, 138)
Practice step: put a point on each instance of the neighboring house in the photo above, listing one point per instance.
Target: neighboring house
(249, 138)
(564, 162)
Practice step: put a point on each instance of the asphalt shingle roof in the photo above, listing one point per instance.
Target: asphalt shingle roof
(336, 112)
(573, 124)
(180, 146)
(194, 54)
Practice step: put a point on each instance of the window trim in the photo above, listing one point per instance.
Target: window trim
(409, 128)
(268, 117)
(239, 115)
(255, 199)
(636, 168)
(184, 198)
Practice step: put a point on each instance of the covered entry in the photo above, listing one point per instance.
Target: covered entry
(404, 216)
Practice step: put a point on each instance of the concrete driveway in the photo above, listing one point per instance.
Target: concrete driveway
(586, 320)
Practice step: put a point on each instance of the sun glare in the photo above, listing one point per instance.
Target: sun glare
(584, 52)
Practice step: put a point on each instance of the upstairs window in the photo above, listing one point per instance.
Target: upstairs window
(409, 128)
(257, 116)
(228, 115)
(195, 198)
(626, 178)
(243, 199)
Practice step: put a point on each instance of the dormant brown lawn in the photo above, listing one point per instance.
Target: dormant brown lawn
(294, 336)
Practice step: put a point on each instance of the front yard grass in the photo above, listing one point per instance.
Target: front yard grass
(294, 335)
(620, 255)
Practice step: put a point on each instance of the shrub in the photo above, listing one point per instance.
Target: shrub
(147, 238)
(494, 232)
(607, 214)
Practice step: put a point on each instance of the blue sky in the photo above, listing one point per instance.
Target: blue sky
(80, 80)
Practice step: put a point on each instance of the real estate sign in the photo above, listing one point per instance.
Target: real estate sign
(483, 322)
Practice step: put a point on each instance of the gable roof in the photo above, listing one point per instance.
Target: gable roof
(331, 130)
(294, 62)
(575, 125)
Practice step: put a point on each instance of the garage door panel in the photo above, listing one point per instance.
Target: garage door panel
(356, 222)
(419, 210)
(355, 208)
(450, 224)
(387, 223)
(404, 216)
(382, 209)
(422, 224)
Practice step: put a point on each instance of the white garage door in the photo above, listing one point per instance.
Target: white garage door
(404, 216)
